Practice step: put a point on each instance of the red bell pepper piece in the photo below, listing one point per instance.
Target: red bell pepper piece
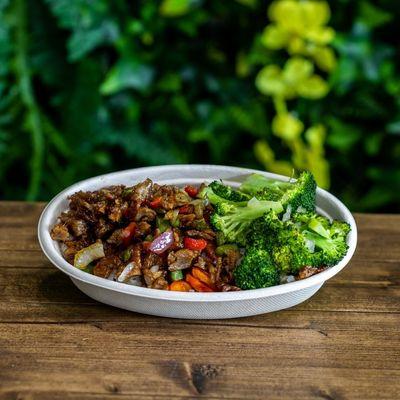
(191, 191)
(184, 209)
(127, 233)
(194, 244)
(155, 203)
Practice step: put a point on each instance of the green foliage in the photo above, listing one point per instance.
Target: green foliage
(88, 87)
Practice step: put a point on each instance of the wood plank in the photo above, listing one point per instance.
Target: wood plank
(57, 343)
(191, 361)
(378, 237)
(360, 287)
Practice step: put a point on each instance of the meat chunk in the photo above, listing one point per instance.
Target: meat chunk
(60, 232)
(181, 259)
(116, 237)
(78, 227)
(150, 260)
(145, 214)
(231, 259)
(171, 197)
(207, 234)
(106, 266)
(160, 283)
(152, 275)
(141, 192)
(229, 288)
(307, 271)
(102, 228)
(143, 229)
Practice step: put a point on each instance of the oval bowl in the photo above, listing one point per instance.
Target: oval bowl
(189, 305)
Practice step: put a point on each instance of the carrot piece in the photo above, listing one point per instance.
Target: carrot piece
(202, 276)
(197, 285)
(180, 286)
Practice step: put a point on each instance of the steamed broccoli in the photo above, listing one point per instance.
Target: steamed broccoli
(222, 197)
(234, 221)
(299, 194)
(256, 270)
(228, 193)
(305, 240)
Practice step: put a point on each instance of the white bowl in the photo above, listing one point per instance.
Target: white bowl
(179, 304)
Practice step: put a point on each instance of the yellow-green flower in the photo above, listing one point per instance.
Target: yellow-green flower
(287, 126)
(297, 78)
(299, 26)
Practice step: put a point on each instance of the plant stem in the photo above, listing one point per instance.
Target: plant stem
(34, 124)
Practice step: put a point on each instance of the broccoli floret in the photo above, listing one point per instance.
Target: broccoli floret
(234, 221)
(215, 199)
(256, 270)
(304, 240)
(300, 193)
(228, 193)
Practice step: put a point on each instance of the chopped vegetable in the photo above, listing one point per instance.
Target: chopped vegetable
(162, 242)
(126, 255)
(194, 244)
(128, 232)
(176, 275)
(124, 275)
(184, 209)
(191, 191)
(88, 254)
(162, 224)
(202, 276)
(156, 203)
(180, 286)
(196, 284)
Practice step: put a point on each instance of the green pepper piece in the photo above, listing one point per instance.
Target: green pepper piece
(176, 275)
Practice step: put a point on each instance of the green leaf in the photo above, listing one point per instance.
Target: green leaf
(174, 8)
(90, 22)
(83, 41)
(342, 136)
(127, 74)
(373, 16)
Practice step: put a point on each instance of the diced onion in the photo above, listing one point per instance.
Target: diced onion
(162, 242)
(154, 268)
(88, 254)
(125, 272)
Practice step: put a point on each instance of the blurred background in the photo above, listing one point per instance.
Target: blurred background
(93, 86)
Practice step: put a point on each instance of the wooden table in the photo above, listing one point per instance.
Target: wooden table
(56, 343)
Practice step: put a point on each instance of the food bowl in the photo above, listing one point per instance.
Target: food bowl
(192, 305)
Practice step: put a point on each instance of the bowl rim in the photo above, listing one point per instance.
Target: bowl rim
(58, 261)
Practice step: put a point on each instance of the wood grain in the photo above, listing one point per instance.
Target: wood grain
(56, 343)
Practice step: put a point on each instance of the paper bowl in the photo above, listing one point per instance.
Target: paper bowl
(181, 304)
